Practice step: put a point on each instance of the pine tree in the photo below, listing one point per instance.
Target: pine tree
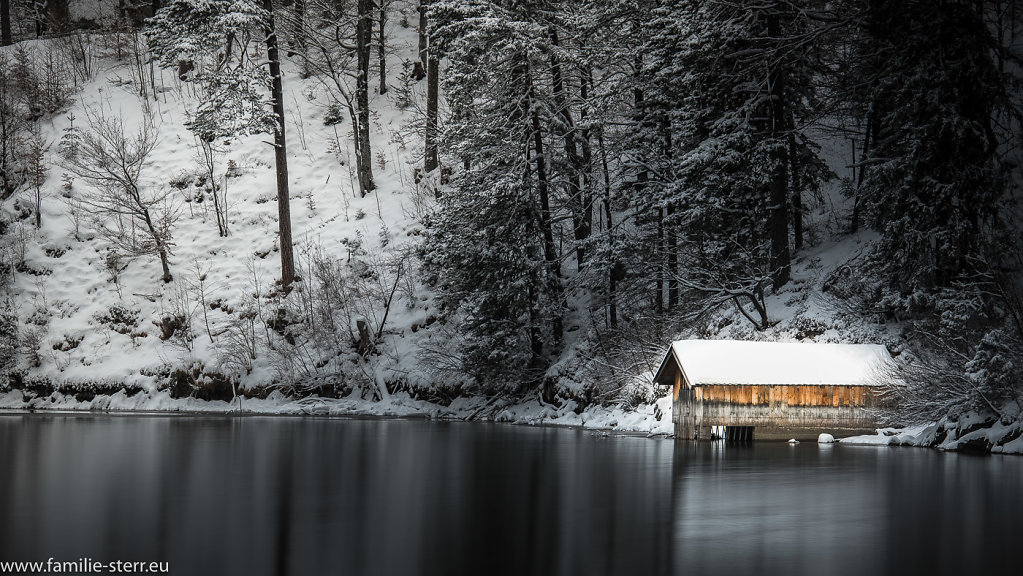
(721, 94)
(491, 247)
(934, 185)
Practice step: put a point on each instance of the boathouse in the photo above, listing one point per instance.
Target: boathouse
(772, 390)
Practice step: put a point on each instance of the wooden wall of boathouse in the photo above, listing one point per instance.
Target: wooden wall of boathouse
(776, 412)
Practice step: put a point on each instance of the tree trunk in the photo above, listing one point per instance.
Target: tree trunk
(671, 236)
(580, 203)
(423, 34)
(613, 269)
(161, 248)
(280, 152)
(612, 265)
(672, 239)
(365, 345)
(5, 22)
(778, 213)
(382, 46)
(550, 251)
(642, 179)
(797, 195)
(39, 13)
(297, 43)
(432, 97)
(164, 264)
(59, 15)
(659, 264)
(364, 153)
(855, 224)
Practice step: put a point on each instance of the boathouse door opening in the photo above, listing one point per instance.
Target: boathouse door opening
(732, 433)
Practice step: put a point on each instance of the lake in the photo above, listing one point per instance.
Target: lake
(264, 495)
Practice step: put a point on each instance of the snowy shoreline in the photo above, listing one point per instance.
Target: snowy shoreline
(970, 434)
(641, 420)
(967, 435)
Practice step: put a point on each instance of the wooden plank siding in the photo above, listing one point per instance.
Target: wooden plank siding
(785, 395)
(776, 412)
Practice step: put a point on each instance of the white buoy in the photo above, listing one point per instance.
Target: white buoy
(825, 439)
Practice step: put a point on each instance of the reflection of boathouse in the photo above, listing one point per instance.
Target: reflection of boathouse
(772, 390)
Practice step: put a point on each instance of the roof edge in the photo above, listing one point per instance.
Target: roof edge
(670, 355)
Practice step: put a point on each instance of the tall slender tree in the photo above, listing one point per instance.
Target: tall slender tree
(198, 31)
(382, 43)
(363, 44)
(432, 63)
(280, 147)
(5, 22)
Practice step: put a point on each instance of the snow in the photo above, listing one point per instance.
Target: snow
(328, 215)
(868, 440)
(825, 438)
(735, 362)
(947, 435)
(649, 419)
(76, 287)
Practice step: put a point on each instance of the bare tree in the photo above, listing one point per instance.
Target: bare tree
(709, 284)
(424, 23)
(363, 43)
(208, 156)
(111, 162)
(337, 46)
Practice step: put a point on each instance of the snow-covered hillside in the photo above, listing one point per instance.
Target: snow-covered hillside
(363, 330)
(97, 317)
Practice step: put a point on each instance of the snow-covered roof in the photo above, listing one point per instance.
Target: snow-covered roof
(735, 362)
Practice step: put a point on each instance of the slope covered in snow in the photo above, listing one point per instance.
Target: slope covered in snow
(100, 330)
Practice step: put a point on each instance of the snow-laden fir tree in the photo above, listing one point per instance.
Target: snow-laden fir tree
(725, 91)
(491, 250)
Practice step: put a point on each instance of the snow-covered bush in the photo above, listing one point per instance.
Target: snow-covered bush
(331, 322)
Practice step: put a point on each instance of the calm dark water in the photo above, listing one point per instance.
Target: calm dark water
(255, 496)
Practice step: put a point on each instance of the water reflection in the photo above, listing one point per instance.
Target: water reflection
(311, 496)
(290, 496)
(772, 508)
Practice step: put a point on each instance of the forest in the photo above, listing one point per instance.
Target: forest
(530, 199)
